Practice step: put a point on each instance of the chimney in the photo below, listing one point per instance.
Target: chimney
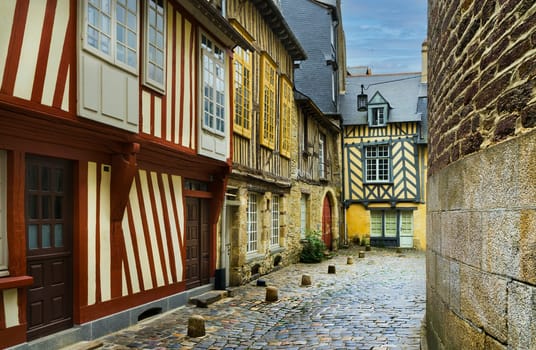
(424, 68)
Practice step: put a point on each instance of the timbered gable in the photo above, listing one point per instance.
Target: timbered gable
(37, 67)
(394, 176)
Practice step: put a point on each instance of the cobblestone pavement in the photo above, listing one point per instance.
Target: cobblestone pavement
(375, 303)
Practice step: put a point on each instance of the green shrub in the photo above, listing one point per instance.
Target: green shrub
(313, 248)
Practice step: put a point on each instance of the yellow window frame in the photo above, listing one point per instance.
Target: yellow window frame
(243, 94)
(286, 113)
(268, 101)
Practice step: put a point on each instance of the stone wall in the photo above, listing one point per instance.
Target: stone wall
(481, 239)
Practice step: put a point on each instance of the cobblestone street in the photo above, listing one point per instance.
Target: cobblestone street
(375, 303)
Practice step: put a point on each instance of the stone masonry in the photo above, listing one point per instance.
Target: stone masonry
(481, 239)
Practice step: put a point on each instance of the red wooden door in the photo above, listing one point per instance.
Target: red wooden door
(197, 242)
(326, 222)
(49, 245)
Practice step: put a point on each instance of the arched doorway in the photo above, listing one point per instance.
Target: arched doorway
(326, 222)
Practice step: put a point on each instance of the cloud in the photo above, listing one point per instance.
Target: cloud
(385, 34)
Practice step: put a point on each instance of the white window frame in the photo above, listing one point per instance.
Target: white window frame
(322, 156)
(115, 42)
(252, 223)
(378, 115)
(155, 22)
(213, 76)
(4, 271)
(275, 220)
(377, 158)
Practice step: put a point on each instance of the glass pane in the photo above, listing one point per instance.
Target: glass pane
(33, 207)
(58, 207)
(120, 14)
(132, 5)
(160, 23)
(92, 38)
(159, 40)
(106, 25)
(33, 177)
(390, 224)
(58, 235)
(132, 39)
(58, 180)
(92, 16)
(120, 33)
(152, 16)
(45, 179)
(105, 44)
(131, 21)
(121, 53)
(32, 237)
(45, 207)
(131, 58)
(106, 6)
(45, 236)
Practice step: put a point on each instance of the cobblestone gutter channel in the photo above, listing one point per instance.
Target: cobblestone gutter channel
(377, 302)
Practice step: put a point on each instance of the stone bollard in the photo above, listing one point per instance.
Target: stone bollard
(349, 260)
(271, 294)
(305, 280)
(367, 247)
(361, 254)
(331, 269)
(196, 326)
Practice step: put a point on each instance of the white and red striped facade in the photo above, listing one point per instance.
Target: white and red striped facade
(138, 155)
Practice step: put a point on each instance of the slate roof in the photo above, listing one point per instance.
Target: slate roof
(309, 21)
(404, 92)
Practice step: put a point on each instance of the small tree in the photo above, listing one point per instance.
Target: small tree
(313, 248)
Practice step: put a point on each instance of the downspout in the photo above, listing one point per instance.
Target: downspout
(343, 172)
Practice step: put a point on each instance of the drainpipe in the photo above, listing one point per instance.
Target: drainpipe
(343, 168)
(220, 283)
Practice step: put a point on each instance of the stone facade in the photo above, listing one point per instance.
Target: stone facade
(481, 239)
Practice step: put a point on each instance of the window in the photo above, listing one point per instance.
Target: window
(377, 163)
(155, 47)
(112, 31)
(242, 80)
(287, 108)
(252, 223)
(275, 221)
(303, 216)
(378, 117)
(3, 215)
(322, 156)
(268, 101)
(392, 226)
(213, 85)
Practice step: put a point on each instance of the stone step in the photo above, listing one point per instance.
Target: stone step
(205, 299)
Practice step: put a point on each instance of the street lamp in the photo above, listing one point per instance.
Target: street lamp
(362, 100)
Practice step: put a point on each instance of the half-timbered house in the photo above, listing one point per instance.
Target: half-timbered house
(115, 147)
(385, 154)
(319, 82)
(255, 238)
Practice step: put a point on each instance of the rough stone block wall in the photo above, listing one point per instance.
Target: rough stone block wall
(481, 238)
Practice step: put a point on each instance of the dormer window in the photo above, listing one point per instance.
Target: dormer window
(378, 111)
(378, 116)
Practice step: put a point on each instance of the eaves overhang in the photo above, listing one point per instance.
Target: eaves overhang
(212, 19)
(308, 106)
(274, 18)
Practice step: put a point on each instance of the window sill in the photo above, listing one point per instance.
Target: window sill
(276, 249)
(15, 282)
(253, 256)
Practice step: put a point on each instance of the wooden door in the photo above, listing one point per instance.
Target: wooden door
(326, 222)
(197, 242)
(49, 231)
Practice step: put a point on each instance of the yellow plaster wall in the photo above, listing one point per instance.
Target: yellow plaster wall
(358, 222)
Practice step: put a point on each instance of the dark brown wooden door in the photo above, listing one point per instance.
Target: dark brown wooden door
(49, 203)
(197, 242)
(326, 222)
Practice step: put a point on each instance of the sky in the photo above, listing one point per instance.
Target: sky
(385, 35)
